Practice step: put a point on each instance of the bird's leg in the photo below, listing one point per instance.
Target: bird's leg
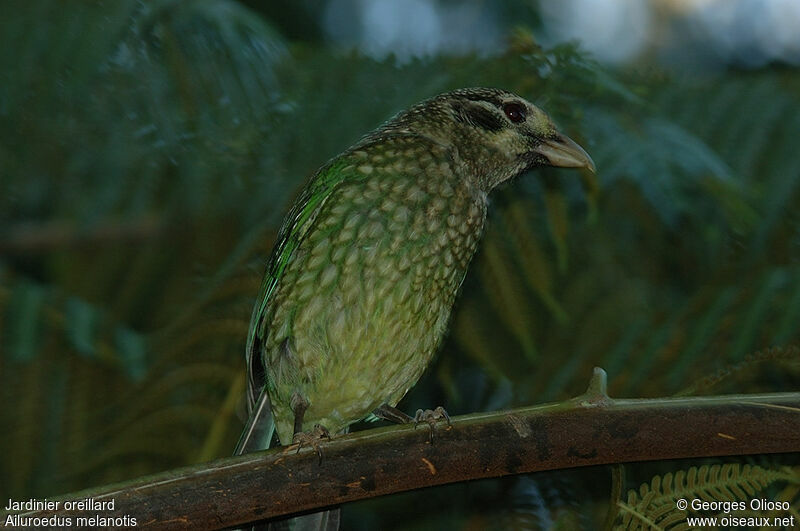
(429, 416)
(299, 406)
(392, 414)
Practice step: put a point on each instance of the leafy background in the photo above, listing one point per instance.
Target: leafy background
(148, 153)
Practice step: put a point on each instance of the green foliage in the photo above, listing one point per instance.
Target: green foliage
(149, 152)
(653, 506)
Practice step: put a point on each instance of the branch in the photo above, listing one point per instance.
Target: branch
(591, 429)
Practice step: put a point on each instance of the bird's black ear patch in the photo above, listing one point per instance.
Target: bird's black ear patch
(478, 116)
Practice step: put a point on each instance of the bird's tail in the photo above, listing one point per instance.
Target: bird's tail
(259, 429)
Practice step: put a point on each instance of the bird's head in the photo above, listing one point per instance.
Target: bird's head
(495, 134)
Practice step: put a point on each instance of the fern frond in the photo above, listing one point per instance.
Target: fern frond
(653, 505)
(770, 356)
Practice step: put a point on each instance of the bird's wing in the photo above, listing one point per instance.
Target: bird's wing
(260, 426)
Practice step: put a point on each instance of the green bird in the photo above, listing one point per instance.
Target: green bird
(360, 285)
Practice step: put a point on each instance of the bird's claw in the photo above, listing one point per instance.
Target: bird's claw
(312, 438)
(431, 417)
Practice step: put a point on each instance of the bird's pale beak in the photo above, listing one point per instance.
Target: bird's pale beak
(563, 152)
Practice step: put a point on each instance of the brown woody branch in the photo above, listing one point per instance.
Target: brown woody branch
(591, 429)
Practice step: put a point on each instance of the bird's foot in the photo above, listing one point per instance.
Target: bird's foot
(312, 438)
(431, 417)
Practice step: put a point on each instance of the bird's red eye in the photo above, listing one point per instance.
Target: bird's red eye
(515, 111)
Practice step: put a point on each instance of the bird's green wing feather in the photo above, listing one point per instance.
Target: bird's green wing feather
(296, 225)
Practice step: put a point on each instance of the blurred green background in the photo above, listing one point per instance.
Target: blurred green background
(148, 152)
